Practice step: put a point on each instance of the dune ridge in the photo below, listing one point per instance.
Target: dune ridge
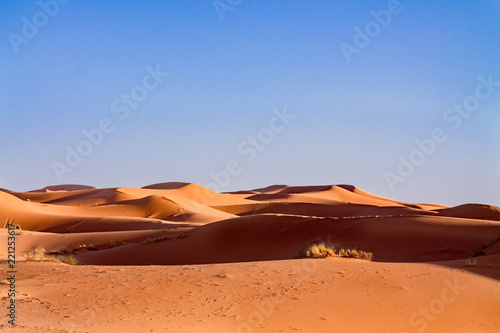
(269, 223)
(177, 257)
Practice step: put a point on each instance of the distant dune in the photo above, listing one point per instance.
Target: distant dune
(416, 246)
(263, 224)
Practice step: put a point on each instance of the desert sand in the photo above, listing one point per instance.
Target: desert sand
(177, 257)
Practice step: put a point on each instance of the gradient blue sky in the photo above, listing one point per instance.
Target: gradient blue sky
(353, 120)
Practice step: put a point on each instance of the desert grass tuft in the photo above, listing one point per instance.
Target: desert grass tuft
(70, 260)
(183, 234)
(315, 250)
(157, 239)
(358, 254)
(115, 244)
(89, 247)
(39, 255)
(62, 250)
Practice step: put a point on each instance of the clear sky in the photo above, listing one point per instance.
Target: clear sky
(190, 91)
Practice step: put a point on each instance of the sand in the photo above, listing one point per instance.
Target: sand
(176, 257)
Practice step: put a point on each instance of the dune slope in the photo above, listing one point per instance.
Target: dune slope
(262, 224)
(177, 257)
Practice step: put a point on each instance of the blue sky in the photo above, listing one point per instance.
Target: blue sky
(230, 71)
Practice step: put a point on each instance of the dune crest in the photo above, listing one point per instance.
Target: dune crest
(269, 223)
(194, 260)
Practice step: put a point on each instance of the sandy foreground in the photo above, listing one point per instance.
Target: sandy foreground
(176, 257)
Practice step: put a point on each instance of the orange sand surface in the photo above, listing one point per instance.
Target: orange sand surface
(176, 257)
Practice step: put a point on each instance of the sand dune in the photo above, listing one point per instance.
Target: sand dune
(472, 211)
(262, 224)
(279, 236)
(213, 246)
(330, 209)
(337, 295)
(341, 193)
